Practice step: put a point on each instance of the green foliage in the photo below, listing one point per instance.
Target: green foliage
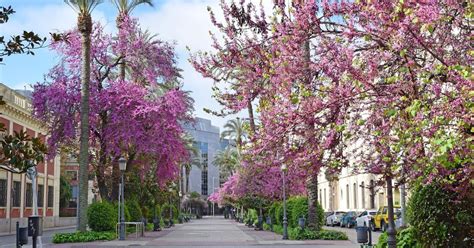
(165, 211)
(272, 212)
(134, 210)
(102, 216)
(65, 192)
(20, 151)
(82, 237)
(279, 214)
(297, 207)
(441, 218)
(383, 240)
(194, 194)
(405, 239)
(307, 234)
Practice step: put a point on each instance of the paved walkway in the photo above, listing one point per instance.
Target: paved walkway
(212, 232)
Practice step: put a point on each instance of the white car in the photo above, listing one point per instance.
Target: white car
(334, 218)
(365, 218)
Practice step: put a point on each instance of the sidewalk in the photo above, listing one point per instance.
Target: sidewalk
(211, 232)
(5, 234)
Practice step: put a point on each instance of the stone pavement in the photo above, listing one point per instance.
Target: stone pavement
(211, 232)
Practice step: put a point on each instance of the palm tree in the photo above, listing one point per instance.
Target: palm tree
(125, 7)
(227, 161)
(194, 160)
(234, 130)
(84, 9)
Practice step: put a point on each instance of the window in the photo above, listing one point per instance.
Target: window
(40, 195)
(3, 192)
(362, 193)
(325, 199)
(384, 210)
(355, 194)
(16, 191)
(320, 197)
(71, 175)
(372, 194)
(347, 196)
(29, 195)
(50, 196)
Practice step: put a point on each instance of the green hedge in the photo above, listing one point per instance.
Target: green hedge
(307, 234)
(134, 210)
(78, 237)
(165, 211)
(299, 234)
(441, 218)
(102, 216)
(405, 239)
(296, 207)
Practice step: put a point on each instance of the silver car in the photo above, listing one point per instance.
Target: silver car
(334, 218)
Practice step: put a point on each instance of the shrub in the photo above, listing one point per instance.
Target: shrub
(279, 214)
(308, 234)
(383, 239)
(102, 216)
(441, 218)
(272, 212)
(165, 211)
(297, 207)
(134, 210)
(82, 237)
(405, 239)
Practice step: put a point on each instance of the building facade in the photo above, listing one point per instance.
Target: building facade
(353, 191)
(16, 194)
(205, 179)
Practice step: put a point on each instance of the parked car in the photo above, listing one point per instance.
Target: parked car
(349, 219)
(366, 217)
(381, 218)
(334, 218)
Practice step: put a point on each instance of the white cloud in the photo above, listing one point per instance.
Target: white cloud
(45, 19)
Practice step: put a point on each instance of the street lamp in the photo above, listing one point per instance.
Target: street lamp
(170, 190)
(285, 219)
(123, 166)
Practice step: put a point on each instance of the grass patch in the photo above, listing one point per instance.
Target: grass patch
(80, 237)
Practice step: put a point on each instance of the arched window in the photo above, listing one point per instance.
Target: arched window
(325, 206)
(362, 193)
(355, 195)
(347, 196)
(372, 194)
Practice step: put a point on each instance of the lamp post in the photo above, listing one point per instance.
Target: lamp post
(123, 167)
(285, 219)
(170, 190)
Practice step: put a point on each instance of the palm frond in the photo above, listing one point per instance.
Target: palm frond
(83, 6)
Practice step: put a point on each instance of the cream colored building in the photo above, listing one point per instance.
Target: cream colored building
(353, 191)
(16, 189)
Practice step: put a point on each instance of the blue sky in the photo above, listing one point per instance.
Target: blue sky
(184, 21)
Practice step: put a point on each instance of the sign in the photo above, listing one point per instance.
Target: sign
(35, 226)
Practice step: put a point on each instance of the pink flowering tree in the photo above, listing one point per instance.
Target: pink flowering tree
(383, 86)
(138, 117)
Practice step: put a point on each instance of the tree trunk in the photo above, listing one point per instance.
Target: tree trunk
(312, 188)
(181, 179)
(251, 117)
(85, 27)
(188, 171)
(391, 231)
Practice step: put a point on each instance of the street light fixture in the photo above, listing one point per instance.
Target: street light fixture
(284, 168)
(122, 166)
